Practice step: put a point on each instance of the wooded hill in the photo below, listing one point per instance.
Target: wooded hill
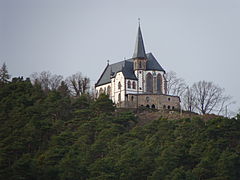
(50, 135)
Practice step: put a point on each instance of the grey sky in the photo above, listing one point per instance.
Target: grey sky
(198, 39)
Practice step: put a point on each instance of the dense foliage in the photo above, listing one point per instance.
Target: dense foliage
(49, 135)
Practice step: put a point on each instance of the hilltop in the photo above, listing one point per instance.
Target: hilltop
(50, 135)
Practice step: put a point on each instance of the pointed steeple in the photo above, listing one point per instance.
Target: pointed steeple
(139, 51)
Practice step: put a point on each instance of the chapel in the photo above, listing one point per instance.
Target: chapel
(139, 81)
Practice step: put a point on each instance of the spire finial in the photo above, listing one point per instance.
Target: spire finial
(139, 20)
(107, 61)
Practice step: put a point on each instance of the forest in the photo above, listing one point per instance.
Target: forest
(53, 135)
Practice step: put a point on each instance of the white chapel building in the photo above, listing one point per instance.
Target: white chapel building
(137, 82)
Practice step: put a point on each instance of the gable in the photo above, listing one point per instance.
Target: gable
(126, 67)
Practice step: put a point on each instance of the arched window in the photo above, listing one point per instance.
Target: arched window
(129, 84)
(140, 64)
(100, 91)
(119, 97)
(159, 83)
(153, 106)
(119, 85)
(165, 86)
(109, 90)
(149, 82)
(132, 98)
(134, 85)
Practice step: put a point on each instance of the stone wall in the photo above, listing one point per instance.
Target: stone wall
(156, 101)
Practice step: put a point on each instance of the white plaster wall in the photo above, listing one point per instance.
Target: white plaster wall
(140, 76)
(118, 78)
(104, 87)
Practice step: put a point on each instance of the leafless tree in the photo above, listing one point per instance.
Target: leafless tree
(175, 86)
(78, 84)
(188, 100)
(46, 80)
(209, 97)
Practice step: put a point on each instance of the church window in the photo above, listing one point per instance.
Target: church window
(119, 97)
(129, 84)
(149, 83)
(109, 90)
(169, 99)
(101, 91)
(153, 106)
(147, 106)
(132, 98)
(140, 64)
(159, 83)
(168, 107)
(134, 85)
(119, 85)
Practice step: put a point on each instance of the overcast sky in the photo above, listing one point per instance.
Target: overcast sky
(198, 39)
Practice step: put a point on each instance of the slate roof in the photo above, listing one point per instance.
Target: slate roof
(126, 67)
(139, 51)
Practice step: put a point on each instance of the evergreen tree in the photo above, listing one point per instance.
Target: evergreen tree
(4, 76)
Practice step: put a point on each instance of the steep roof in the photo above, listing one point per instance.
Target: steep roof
(139, 51)
(126, 67)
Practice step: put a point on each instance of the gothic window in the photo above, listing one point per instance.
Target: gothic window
(109, 90)
(101, 91)
(119, 85)
(165, 86)
(140, 65)
(149, 83)
(119, 97)
(129, 84)
(159, 83)
(134, 85)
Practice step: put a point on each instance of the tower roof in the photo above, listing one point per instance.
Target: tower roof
(139, 51)
(126, 67)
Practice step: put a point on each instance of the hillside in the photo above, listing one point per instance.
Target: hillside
(50, 135)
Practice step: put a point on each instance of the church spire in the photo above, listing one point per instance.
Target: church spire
(139, 51)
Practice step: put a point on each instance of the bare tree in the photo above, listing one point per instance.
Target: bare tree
(188, 100)
(175, 86)
(78, 84)
(55, 81)
(46, 80)
(209, 97)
